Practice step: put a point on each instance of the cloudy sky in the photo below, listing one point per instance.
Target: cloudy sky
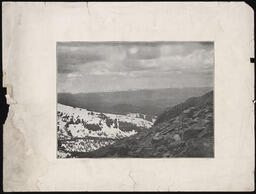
(114, 66)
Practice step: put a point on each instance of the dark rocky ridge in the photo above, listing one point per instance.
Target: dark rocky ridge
(185, 130)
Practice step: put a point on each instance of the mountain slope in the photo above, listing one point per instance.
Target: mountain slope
(186, 130)
(81, 130)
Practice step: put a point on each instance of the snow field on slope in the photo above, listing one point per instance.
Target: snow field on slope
(91, 117)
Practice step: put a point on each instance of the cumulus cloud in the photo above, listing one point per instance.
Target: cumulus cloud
(143, 52)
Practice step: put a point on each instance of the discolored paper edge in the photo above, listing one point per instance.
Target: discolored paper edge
(30, 33)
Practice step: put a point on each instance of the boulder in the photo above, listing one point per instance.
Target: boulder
(176, 137)
(186, 111)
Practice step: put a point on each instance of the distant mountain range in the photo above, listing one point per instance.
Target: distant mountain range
(185, 130)
(150, 102)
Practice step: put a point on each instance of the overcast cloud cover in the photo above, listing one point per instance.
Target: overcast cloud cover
(111, 66)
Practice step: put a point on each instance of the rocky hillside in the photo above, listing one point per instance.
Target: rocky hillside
(185, 130)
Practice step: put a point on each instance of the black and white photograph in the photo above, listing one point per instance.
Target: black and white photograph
(135, 99)
(128, 96)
